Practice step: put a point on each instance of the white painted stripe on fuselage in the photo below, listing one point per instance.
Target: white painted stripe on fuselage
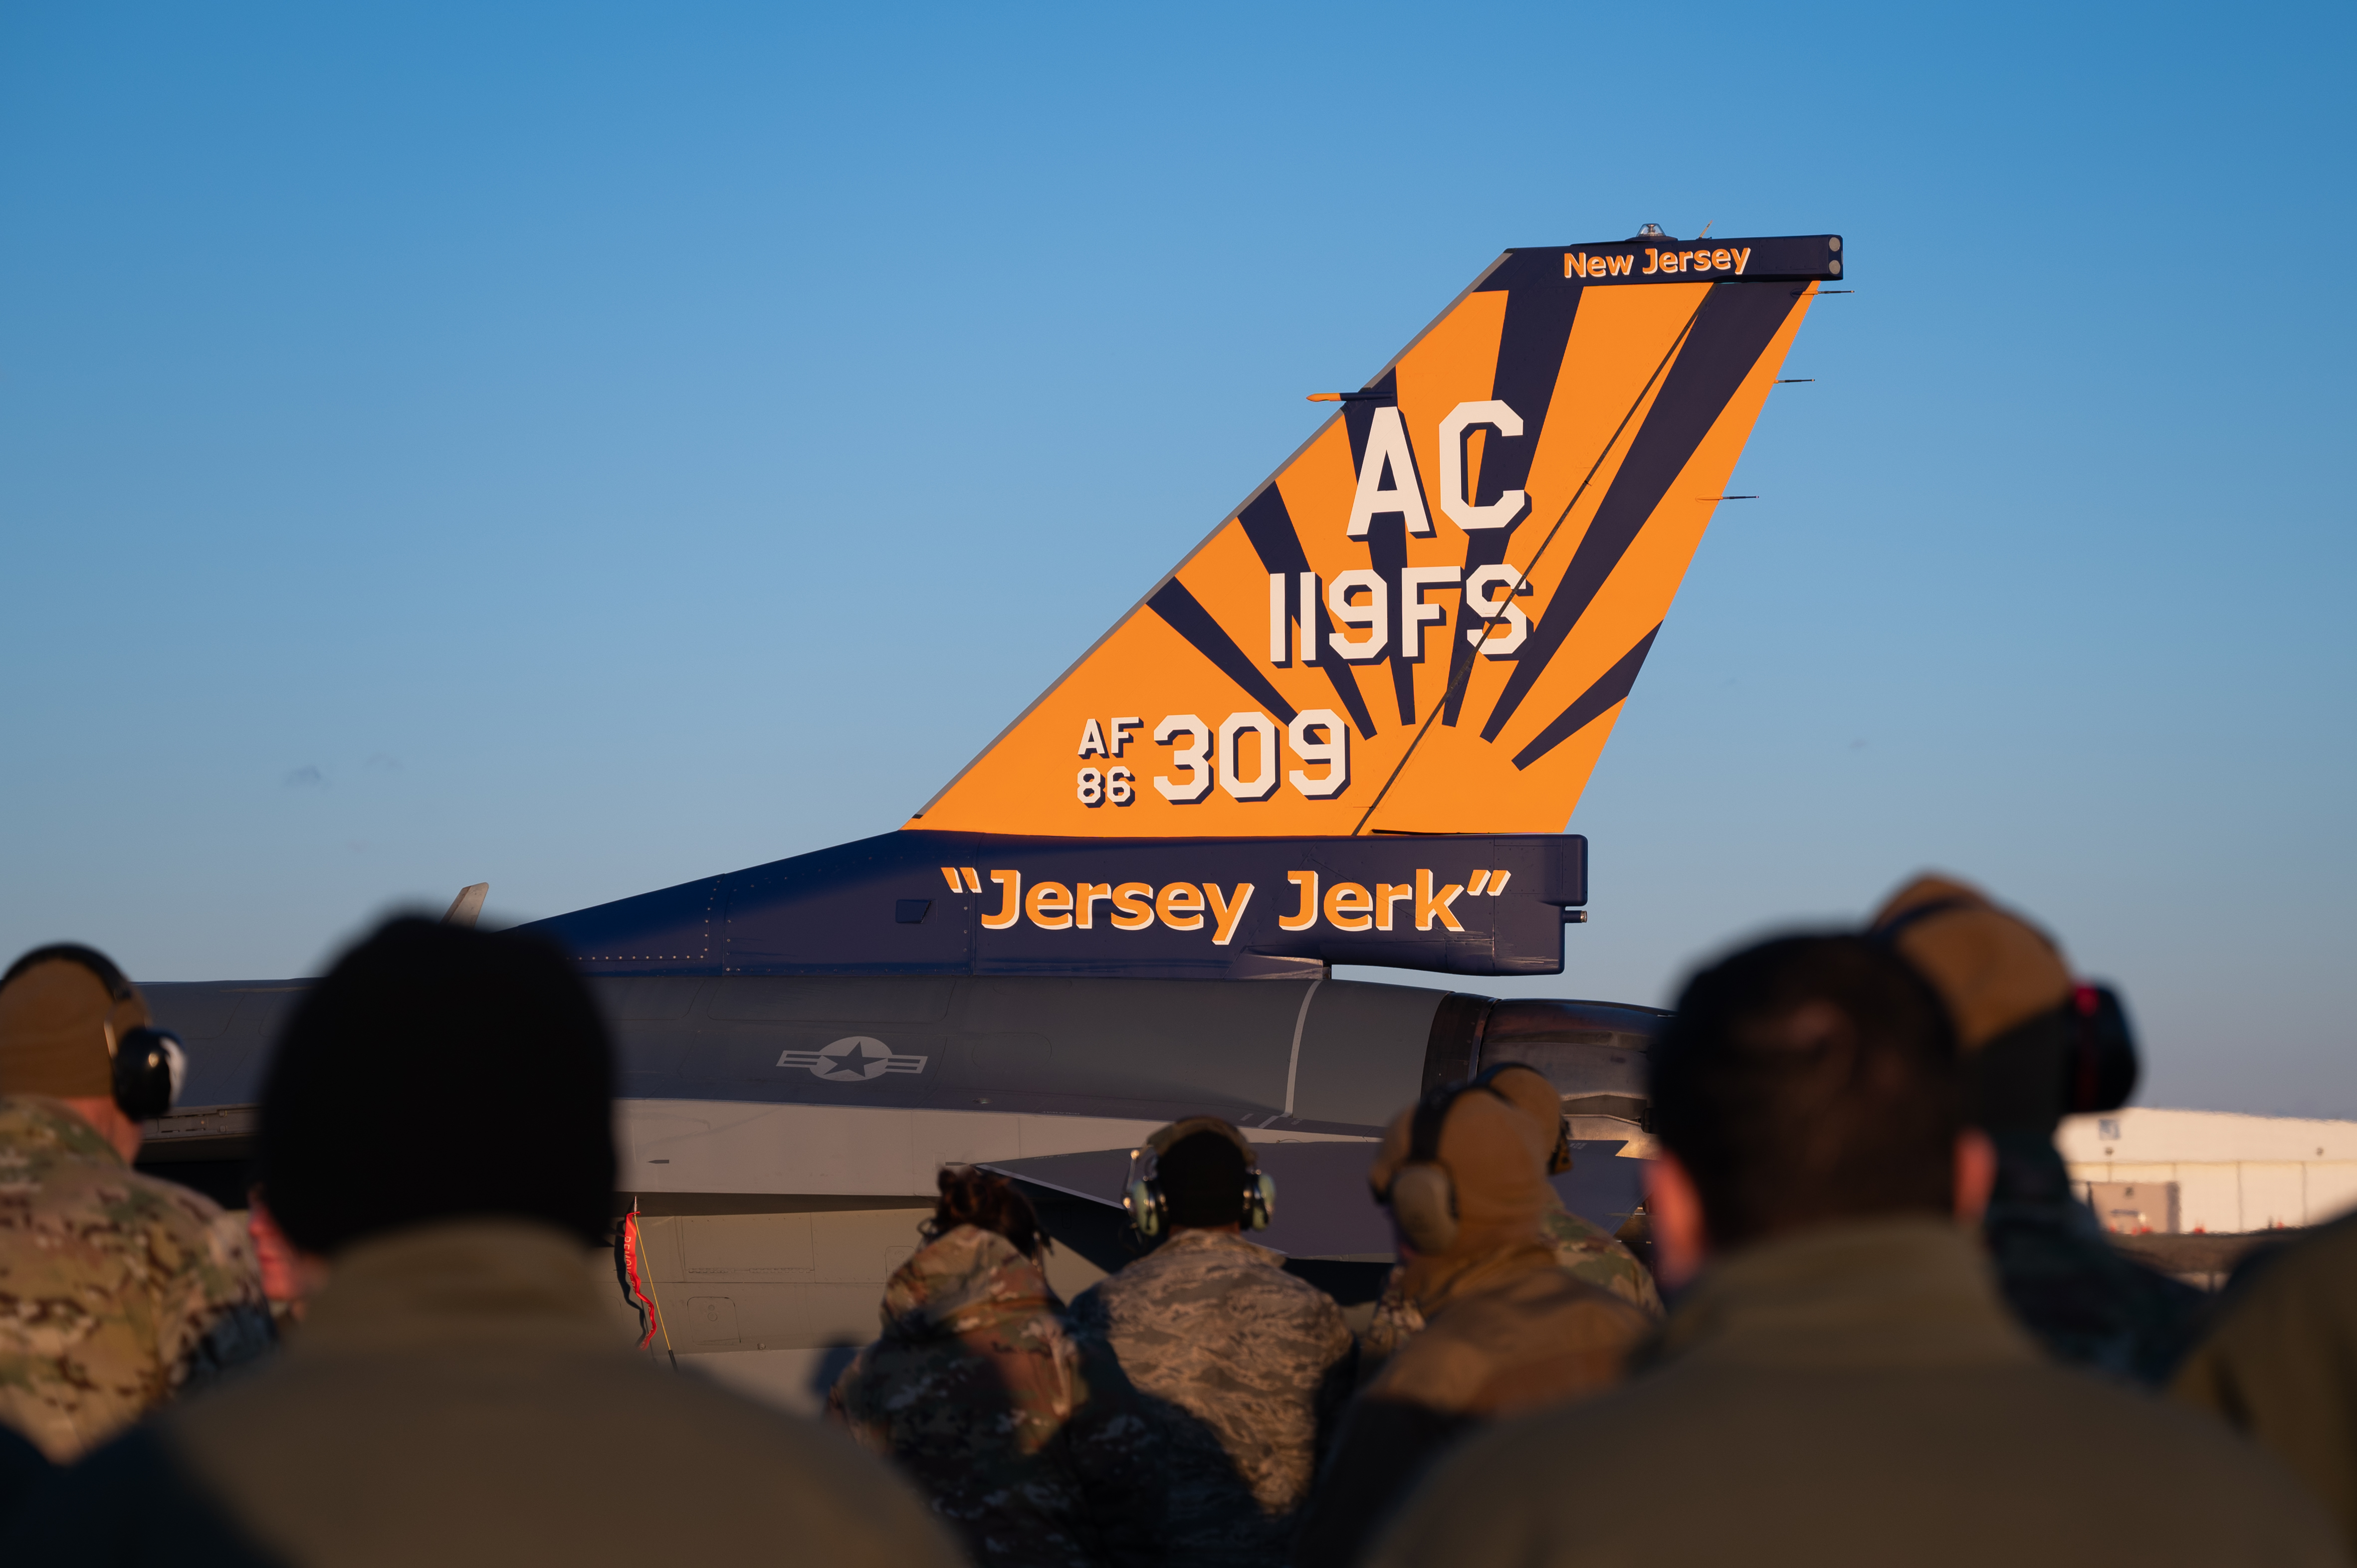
(730, 1145)
(1293, 1062)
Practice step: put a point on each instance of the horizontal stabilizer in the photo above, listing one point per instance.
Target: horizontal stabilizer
(1323, 1208)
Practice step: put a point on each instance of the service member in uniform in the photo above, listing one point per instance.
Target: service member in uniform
(1583, 1248)
(2037, 1045)
(1242, 1365)
(438, 1124)
(2279, 1362)
(1510, 1331)
(1840, 1382)
(1030, 1446)
(118, 1290)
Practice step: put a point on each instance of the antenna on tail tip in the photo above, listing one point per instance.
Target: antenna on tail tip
(1354, 397)
(467, 905)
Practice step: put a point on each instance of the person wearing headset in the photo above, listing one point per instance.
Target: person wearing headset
(1583, 1248)
(1839, 1384)
(1508, 1330)
(2039, 1045)
(118, 1290)
(1241, 1365)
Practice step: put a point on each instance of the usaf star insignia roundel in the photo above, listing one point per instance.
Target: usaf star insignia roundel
(853, 1059)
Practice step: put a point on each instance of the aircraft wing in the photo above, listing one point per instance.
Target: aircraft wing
(1323, 1207)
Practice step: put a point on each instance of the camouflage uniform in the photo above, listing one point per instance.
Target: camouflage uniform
(117, 1290)
(1030, 1446)
(1246, 1366)
(1587, 1252)
(2077, 1293)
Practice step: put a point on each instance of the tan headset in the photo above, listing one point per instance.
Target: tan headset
(2100, 1070)
(1142, 1196)
(1421, 1196)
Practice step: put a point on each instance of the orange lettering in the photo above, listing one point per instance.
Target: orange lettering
(1653, 260)
(1086, 898)
(1429, 903)
(1133, 906)
(1180, 905)
(1049, 905)
(1301, 920)
(1387, 895)
(1010, 882)
(1348, 908)
(1227, 911)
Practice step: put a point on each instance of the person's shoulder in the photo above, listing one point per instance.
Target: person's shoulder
(687, 1430)
(188, 1212)
(1178, 1264)
(1498, 1494)
(101, 1215)
(2286, 1313)
(737, 1447)
(1105, 1298)
(130, 1500)
(2137, 1430)
(1303, 1297)
(1567, 1304)
(126, 1198)
(2123, 1439)
(2320, 1265)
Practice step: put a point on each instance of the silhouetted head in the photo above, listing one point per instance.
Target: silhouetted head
(971, 1195)
(1204, 1177)
(1806, 1080)
(440, 1073)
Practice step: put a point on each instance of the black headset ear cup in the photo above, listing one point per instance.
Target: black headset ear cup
(149, 1068)
(2103, 1059)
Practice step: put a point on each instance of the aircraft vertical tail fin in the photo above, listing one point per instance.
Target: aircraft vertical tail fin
(1428, 618)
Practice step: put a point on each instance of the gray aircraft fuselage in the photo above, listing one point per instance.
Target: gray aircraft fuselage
(780, 1134)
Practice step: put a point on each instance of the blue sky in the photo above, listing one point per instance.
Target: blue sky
(586, 447)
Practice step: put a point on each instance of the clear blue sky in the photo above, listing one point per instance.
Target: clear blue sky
(589, 446)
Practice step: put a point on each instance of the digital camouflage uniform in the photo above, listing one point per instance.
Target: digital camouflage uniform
(1586, 1251)
(1028, 1444)
(2084, 1300)
(1246, 1367)
(118, 1290)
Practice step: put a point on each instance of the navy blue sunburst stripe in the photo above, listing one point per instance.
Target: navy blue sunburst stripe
(1730, 332)
(1277, 542)
(1187, 618)
(1612, 686)
(1530, 356)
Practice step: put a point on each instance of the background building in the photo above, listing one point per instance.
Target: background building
(2211, 1170)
